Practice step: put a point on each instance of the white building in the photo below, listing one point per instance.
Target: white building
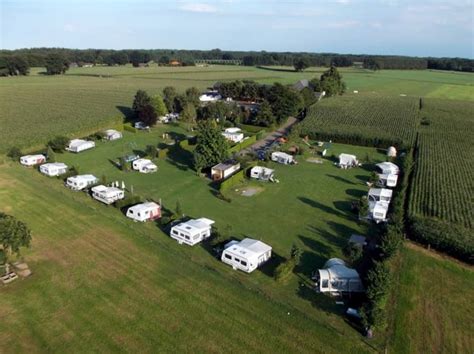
(233, 134)
(107, 195)
(246, 255)
(112, 134)
(347, 161)
(80, 182)
(192, 232)
(144, 211)
(32, 160)
(387, 180)
(282, 157)
(144, 166)
(223, 170)
(378, 211)
(380, 195)
(336, 277)
(53, 169)
(210, 96)
(388, 168)
(262, 173)
(78, 145)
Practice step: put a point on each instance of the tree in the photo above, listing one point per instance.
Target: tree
(331, 82)
(140, 101)
(136, 57)
(14, 65)
(169, 95)
(179, 103)
(151, 151)
(148, 115)
(301, 64)
(14, 153)
(192, 96)
(265, 115)
(59, 143)
(159, 105)
(211, 147)
(285, 101)
(14, 235)
(51, 154)
(308, 96)
(56, 63)
(188, 114)
(363, 207)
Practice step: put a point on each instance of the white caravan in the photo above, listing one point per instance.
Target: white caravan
(282, 157)
(80, 182)
(78, 145)
(233, 134)
(380, 195)
(112, 134)
(378, 211)
(336, 277)
(387, 180)
(53, 169)
(107, 195)
(246, 255)
(388, 168)
(262, 173)
(144, 212)
(192, 232)
(32, 160)
(144, 166)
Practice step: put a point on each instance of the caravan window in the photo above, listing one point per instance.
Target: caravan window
(175, 232)
(324, 283)
(187, 237)
(228, 256)
(243, 263)
(131, 211)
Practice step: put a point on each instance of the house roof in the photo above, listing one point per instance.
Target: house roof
(225, 165)
(249, 247)
(301, 84)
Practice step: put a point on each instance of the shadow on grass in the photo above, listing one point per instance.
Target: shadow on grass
(115, 163)
(320, 206)
(127, 112)
(356, 193)
(362, 178)
(140, 153)
(343, 206)
(341, 179)
(277, 69)
(270, 266)
(181, 158)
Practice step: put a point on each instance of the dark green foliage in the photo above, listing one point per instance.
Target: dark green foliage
(128, 201)
(265, 115)
(13, 65)
(140, 101)
(129, 128)
(59, 143)
(14, 153)
(285, 269)
(151, 151)
(212, 147)
(363, 207)
(56, 63)
(14, 234)
(391, 241)
(308, 96)
(50, 154)
(103, 179)
(178, 211)
(221, 111)
(285, 101)
(147, 115)
(232, 181)
(188, 114)
(301, 63)
(124, 165)
(159, 105)
(354, 253)
(192, 96)
(330, 82)
(169, 95)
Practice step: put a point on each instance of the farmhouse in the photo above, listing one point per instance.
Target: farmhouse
(378, 211)
(262, 173)
(336, 277)
(388, 168)
(282, 157)
(210, 96)
(144, 211)
(80, 182)
(301, 84)
(112, 134)
(53, 169)
(192, 232)
(78, 145)
(32, 160)
(233, 134)
(347, 161)
(380, 195)
(107, 195)
(144, 166)
(223, 170)
(246, 255)
(387, 180)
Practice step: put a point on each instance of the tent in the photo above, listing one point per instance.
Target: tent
(78, 145)
(347, 161)
(210, 96)
(337, 277)
(53, 169)
(388, 168)
(144, 211)
(380, 195)
(387, 180)
(282, 157)
(32, 160)
(223, 170)
(246, 255)
(107, 195)
(262, 173)
(144, 166)
(80, 182)
(192, 231)
(378, 211)
(112, 134)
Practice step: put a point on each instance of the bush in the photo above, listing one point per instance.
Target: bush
(284, 270)
(151, 151)
(391, 241)
(162, 153)
(59, 143)
(246, 143)
(126, 202)
(14, 153)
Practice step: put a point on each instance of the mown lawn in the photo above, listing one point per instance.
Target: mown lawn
(104, 283)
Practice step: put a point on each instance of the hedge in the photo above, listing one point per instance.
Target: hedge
(129, 128)
(250, 128)
(232, 181)
(246, 143)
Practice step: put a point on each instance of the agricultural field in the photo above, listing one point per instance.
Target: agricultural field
(443, 180)
(363, 120)
(37, 107)
(102, 282)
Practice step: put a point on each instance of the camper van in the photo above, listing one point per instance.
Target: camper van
(107, 195)
(53, 169)
(246, 255)
(223, 170)
(378, 211)
(387, 180)
(262, 173)
(80, 182)
(388, 168)
(282, 157)
(144, 212)
(32, 160)
(112, 134)
(192, 232)
(144, 166)
(380, 195)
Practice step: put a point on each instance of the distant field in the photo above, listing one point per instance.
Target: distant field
(363, 120)
(433, 312)
(443, 183)
(36, 108)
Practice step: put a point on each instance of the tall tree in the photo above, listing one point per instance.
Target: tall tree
(148, 115)
(169, 95)
(285, 101)
(140, 101)
(211, 147)
(188, 114)
(331, 82)
(14, 235)
(159, 105)
(301, 64)
(192, 96)
(56, 63)
(265, 115)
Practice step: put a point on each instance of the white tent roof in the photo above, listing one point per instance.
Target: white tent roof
(388, 167)
(33, 157)
(260, 169)
(58, 165)
(282, 154)
(346, 159)
(233, 130)
(249, 247)
(144, 206)
(107, 191)
(78, 142)
(83, 178)
(336, 268)
(196, 225)
(381, 192)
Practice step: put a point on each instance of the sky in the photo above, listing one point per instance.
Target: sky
(402, 27)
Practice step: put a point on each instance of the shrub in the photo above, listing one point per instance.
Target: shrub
(59, 143)
(14, 153)
(151, 151)
(129, 128)
(391, 241)
(162, 153)
(126, 202)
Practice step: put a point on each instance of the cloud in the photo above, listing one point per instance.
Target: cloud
(343, 2)
(343, 24)
(199, 8)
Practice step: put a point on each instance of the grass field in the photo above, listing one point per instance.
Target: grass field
(433, 306)
(102, 282)
(37, 107)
